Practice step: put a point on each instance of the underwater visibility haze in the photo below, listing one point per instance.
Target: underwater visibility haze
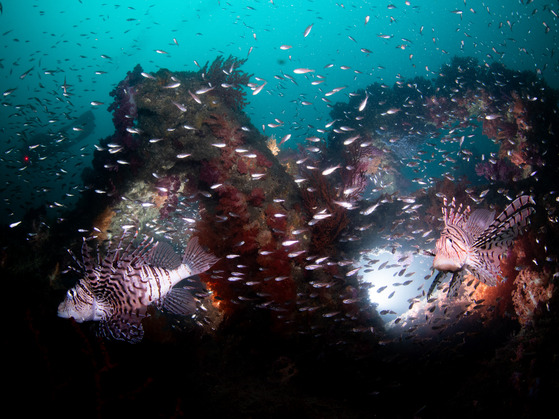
(269, 208)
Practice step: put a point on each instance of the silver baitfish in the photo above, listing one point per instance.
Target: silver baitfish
(474, 243)
(117, 290)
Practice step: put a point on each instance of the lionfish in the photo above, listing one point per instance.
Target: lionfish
(117, 289)
(473, 243)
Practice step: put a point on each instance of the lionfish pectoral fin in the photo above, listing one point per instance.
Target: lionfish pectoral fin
(478, 221)
(486, 266)
(427, 252)
(197, 259)
(435, 282)
(455, 283)
(179, 301)
(508, 224)
(122, 327)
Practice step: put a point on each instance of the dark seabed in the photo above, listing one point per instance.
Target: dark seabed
(377, 182)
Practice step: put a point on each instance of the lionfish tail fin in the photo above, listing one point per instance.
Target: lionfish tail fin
(197, 259)
(506, 227)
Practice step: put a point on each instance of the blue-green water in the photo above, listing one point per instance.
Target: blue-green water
(91, 45)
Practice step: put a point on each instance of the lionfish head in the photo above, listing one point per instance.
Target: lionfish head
(450, 252)
(78, 304)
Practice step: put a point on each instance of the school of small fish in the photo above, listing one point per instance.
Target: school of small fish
(43, 154)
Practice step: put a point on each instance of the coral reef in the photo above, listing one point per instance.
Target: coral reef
(124, 109)
(283, 320)
(102, 223)
(227, 80)
(272, 145)
(167, 187)
(328, 218)
(533, 290)
(500, 170)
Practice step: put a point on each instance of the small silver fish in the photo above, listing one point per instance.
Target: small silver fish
(117, 290)
(303, 70)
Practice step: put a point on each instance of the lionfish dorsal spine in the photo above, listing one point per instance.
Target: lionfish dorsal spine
(454, 215)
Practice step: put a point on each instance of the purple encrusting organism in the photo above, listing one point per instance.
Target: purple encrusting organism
(125, 110)
(168, 186)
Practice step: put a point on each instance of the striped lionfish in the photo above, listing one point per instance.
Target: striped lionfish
(117, 290)
(473, 243)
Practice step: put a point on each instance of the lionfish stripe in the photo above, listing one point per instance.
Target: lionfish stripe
(506, 226)
(123, 327)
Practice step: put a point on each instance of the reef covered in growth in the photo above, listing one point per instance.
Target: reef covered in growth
(185, 160)
(285, 311)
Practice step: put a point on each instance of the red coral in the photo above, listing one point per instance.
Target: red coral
(228, 80)
(262, 161)
(210, 173)
(125, 110)
(276, 218)
(500, 170)
(168, 186)
(224, 128)
(499, 129)
(232, 203)
(438, 110)
(242, 166)
(257, 197)
(248, 245)
(357, 162)
(520, 114)
(532, 289)
(522, 291)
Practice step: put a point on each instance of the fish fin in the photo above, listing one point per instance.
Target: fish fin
(455, 283)
(478, 221)
(504, 229)
(486, 266)
(179, 301)
(164, 256)
(427, 252)
(196, 258)
(124, 327)
(435, 282)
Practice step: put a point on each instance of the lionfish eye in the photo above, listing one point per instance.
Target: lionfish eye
(449, 241)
